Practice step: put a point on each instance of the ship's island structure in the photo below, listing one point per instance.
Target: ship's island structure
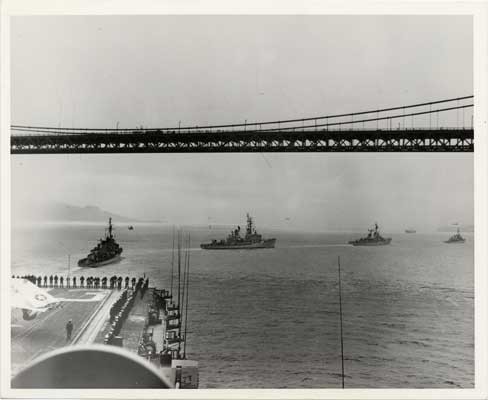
(373, 239)
(252, 240)
(107, 251)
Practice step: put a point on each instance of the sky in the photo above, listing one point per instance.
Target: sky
(158, 70)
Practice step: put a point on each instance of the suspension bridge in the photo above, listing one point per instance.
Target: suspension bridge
(437, 126)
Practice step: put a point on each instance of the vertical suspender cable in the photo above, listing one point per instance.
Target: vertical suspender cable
(430, 116)
(457, 115)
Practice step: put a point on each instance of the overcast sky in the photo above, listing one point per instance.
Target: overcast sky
(156, 71)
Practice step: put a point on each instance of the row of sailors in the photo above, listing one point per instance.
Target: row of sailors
(90, 282)
(117, 306)
(118, 318)
(121, 308)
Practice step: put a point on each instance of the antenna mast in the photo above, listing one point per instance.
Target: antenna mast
(340, 313)
(172, 261)
(182, 313)
(179, 287)
(187, 295)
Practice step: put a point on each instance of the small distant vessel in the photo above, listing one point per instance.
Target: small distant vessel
(107, 251)
(373, 239)
(410, 231)
(131, 228)
(252, 240)
(457, 238)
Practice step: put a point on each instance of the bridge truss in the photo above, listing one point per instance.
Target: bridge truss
(390, 130)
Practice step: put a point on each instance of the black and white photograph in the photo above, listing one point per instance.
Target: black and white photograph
(243, 201)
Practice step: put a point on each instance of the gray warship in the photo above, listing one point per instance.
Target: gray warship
(373, 239)
(107, 251)
(457, 238)
(252, 240)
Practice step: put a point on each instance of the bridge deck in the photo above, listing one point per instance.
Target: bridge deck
(401, 140)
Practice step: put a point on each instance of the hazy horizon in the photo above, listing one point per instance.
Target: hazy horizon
(316, 192)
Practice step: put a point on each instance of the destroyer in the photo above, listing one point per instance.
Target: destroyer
(234, 241)
(373, 239)
(107, 251)
(457, 238)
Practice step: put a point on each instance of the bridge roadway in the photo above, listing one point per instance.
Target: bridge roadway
(154, 141)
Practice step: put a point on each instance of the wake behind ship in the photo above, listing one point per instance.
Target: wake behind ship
(235, 241)
(107, 251)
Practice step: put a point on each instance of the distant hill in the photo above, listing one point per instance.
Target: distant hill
(67, 212)
(453, 228)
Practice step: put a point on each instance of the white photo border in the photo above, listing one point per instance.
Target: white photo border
(479, 11)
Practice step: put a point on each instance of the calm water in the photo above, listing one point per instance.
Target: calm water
(269, 318)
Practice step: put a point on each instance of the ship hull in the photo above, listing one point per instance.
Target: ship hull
(372, 243)
(454, 241)
(265, 244)
(84, 262)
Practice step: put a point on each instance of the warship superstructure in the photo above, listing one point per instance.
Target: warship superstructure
(107, 251)
(251, 240)
(373, 239)
(457, 238)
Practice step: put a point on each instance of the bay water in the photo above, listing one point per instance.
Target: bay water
(270, 318)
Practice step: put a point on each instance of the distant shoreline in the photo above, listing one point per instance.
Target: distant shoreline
(218, 228)
(94, 223)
